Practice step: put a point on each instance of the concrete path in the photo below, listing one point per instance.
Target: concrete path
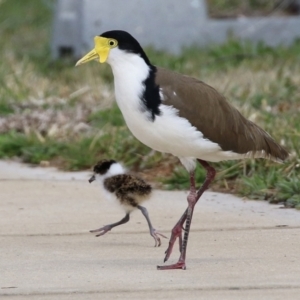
(237, 249)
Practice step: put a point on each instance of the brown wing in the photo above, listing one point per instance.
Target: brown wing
(216, 118)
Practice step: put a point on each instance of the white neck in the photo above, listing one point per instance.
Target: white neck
(115, 169)
(129, 70)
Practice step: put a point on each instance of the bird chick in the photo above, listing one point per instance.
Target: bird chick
(130, 191)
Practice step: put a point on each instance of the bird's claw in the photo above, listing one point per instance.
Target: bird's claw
(155, 234)
(101, 230)
(179, 265)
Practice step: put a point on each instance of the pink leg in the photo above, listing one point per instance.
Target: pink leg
(193, 197)
(177, 230)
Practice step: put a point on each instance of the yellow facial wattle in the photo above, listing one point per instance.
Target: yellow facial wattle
(101, 50)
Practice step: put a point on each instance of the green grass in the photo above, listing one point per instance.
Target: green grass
(111, 116)
(52, 111)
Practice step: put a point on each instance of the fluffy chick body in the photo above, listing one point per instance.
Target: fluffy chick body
(129, 191)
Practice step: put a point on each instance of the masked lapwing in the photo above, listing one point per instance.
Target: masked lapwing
(181, 115)
(128, 190)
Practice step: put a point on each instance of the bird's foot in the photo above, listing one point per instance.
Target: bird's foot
(102, 230)
(176, 233)
(155, 234)
(179, 265)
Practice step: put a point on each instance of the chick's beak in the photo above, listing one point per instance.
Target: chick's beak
(92, 179)
(101, 51)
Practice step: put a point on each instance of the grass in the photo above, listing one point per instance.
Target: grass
(235, 8)
(51, 111)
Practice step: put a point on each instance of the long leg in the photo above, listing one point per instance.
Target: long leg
(177, 229)
(193, 198)
(155, 234)
(105, 228)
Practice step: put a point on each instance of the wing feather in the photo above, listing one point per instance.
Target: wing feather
(215, 117)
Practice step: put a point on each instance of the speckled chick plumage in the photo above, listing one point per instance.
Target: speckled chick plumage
(129, 190)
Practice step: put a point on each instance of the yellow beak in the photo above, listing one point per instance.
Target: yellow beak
(101, 51)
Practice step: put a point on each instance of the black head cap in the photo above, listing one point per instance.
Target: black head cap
(103, 166)
(126, 42)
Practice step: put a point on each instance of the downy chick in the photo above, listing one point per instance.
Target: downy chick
(130, 191)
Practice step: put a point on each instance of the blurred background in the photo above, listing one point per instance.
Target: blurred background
(53, 114)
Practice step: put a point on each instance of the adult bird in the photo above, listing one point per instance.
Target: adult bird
(181, 115)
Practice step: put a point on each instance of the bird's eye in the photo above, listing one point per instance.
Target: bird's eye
(112, 43)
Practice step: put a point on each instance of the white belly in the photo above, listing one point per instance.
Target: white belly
(168, 133)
